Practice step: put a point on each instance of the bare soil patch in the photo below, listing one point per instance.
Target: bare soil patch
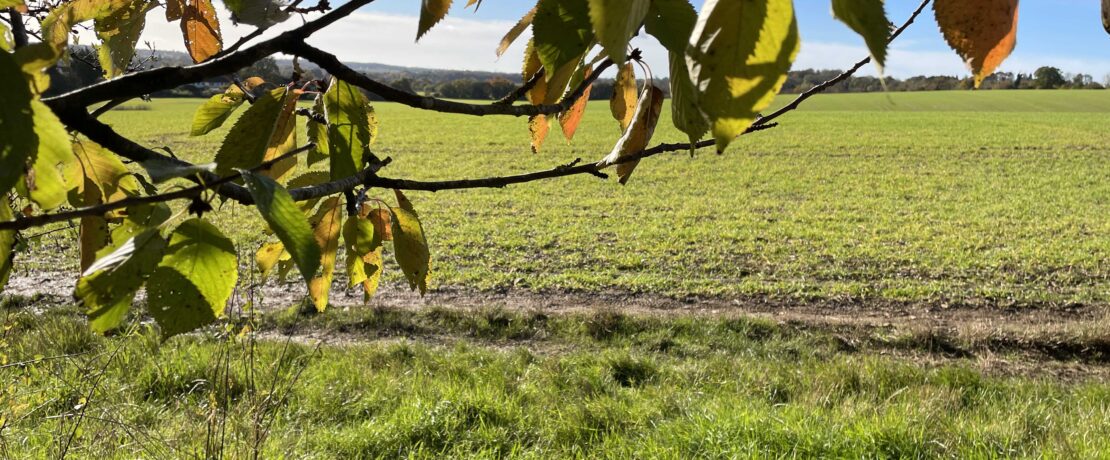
(1068, 342)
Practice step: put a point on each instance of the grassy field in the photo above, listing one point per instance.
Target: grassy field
(888, 206)
(491, 383)
(961, 198)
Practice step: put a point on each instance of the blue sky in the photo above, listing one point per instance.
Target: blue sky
(1064, 33)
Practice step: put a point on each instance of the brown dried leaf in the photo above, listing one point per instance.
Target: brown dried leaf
(200, 29)
(983, 32)
(639, 132)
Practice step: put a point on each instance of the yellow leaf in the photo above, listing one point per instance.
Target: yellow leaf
(517, 29)
(623, 101)
(93, 237)
(983, 32)
(409, 245)
(283, 139)
(739, 55)
(268, 257)
(639, 132)
(200, 29)
(538, 128)
(119, 33)
(326, 229)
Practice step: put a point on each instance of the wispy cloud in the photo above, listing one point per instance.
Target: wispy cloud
(468, 44)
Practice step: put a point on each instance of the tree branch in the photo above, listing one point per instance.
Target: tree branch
(146, 82)
(79, 119)
(334, 66)
(19, 30)
(518, 93)
(101, 209)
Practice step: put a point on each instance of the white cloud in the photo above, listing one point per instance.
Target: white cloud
(468, 44)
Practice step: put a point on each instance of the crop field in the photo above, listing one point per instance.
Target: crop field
(906, 275)
(996, 199)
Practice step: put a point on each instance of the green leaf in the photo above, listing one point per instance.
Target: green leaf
(287, 221)
(46, 183)
(119, 32)
(7, 242)
(18, 141)
(98, 176)
(685, 114)
(108, 287)
(561, 32)
(191, 286)
(867, 18)
(216, 110)
(671, 22)
(317, 134)
(263, 129)
(161, 169)
(258, 13)
(6, 38)
(739, 55)
(615, 21)
(409, 245)
(348, 128)
(431, 12)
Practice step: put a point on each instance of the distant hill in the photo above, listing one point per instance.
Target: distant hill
(386, 72)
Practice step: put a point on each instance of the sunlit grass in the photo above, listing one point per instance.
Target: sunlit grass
(440, 382)
(990, 198)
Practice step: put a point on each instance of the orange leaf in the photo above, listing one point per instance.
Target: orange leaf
(200, 28)
(383, 222)
(570, 119)
(983, 32)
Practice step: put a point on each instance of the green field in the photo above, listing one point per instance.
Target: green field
(941, 261)
(989, 198)
(493, 383)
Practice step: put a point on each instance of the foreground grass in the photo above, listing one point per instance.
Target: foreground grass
(492, 383)
(992, 198)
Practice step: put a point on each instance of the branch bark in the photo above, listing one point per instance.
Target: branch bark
(70, 108)
(334, 66)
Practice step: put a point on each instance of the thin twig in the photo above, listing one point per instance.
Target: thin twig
(44, 219)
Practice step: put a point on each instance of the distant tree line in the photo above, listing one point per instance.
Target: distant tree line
(83, 70)
(1043, 78)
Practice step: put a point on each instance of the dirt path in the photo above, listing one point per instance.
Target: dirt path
(1066, 338)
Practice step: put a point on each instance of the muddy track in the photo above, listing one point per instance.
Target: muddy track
(1077, 335)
